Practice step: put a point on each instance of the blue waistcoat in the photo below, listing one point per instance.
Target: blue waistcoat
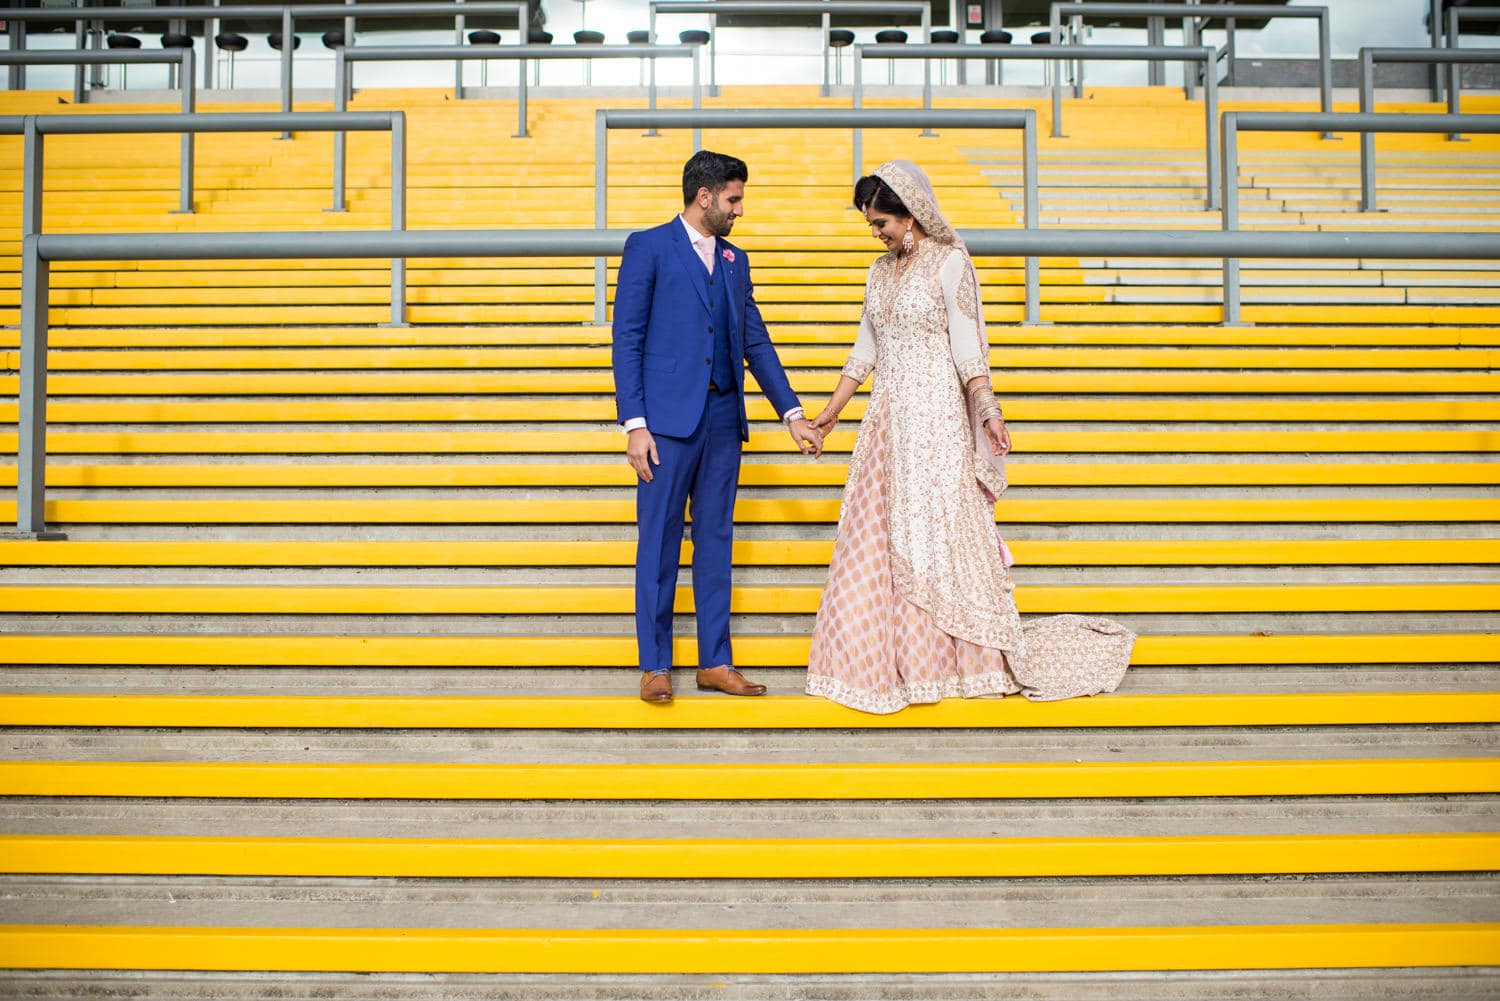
(718, 318)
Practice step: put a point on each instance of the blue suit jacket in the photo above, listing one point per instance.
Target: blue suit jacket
(662, 345)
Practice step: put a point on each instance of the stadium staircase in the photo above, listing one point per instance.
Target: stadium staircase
(330, 691)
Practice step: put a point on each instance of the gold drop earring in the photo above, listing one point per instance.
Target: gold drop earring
(907, 242)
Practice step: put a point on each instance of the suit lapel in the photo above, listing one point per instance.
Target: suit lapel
(689, 259)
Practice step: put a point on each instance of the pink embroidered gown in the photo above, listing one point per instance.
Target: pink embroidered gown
(918, 605)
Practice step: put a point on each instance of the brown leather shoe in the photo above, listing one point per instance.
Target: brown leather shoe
(726, 679)
(656, 687)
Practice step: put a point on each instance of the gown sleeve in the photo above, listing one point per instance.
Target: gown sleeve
(862, 357)
(966, 340)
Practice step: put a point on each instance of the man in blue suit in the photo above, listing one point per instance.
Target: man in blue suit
(685, 325)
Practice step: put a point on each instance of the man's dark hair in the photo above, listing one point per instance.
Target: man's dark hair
(714, 171)
(872, 190)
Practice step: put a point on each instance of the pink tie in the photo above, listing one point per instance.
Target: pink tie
(706, 251)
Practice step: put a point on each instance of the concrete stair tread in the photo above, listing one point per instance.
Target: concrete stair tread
(953, 752)
(1311, 818)
(493, 648)
(634, 904)
(517, 686)
(1322, 985)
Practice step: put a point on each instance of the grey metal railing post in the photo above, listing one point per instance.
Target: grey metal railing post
(601, 208)
(858, 138)
(1229, 52)
(189, 105)
(1325, 67)
(1366, 139)
(458, 68)
(827, 26)
(1054, 33)
(31, 452)
(1455, 71)
(80, 40)
(1054, 39)
(398, 214)
(1190, 39)
(713, 55)
(340, 150)
(1211, 127)
(1032, 217)
(210, 29)
(521, 113)
(697, 101)
(286, 64)
(1435, 30)
(1075, 67)
(1231, 215)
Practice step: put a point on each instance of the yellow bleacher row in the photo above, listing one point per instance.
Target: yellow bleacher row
(1416, 361)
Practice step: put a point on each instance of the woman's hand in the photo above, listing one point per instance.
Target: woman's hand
(826, 421)
(999, 436)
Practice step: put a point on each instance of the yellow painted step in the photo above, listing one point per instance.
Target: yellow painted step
(768, 951)
(791, 473)
(747, 552)
(1021, 409)
(1004, 359)
(690, 712)
(750, 651)
(786, 333)
(1167, 510)
(748, 858)
(601, 382)
(203, 599)
(610, 442)
(844, 780)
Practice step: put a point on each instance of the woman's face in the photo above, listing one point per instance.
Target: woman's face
(887, 227)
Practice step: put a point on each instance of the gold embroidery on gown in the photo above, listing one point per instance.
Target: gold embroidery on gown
(918, 605)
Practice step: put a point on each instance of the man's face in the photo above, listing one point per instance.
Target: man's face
(724, 208)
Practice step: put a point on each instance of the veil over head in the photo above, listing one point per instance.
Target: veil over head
(911, 185)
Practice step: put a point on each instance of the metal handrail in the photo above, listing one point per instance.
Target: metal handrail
(1236, 122)
(190, 124)
(1123, 53)
(825, 8)
(1189, 14)
(286, 12)
(1369, 57)
(183, 58)
(523, 54)
(1456, 16)
(1023, 120)
(38, 253)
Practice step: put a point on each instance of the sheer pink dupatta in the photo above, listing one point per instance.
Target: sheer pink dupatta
(915, 191)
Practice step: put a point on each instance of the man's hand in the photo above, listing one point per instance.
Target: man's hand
(640, 452)
(999, 436)
(826, 421)
(807, 437)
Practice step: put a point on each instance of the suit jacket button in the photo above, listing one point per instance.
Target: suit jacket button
(708, 361)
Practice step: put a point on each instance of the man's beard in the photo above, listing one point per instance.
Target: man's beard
(719, 223)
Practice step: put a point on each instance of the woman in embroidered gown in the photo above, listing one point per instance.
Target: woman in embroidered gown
(918, 604)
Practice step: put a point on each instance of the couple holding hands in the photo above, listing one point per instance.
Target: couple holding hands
(918, 604)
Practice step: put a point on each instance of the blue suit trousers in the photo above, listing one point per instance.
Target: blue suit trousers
(699, 475)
